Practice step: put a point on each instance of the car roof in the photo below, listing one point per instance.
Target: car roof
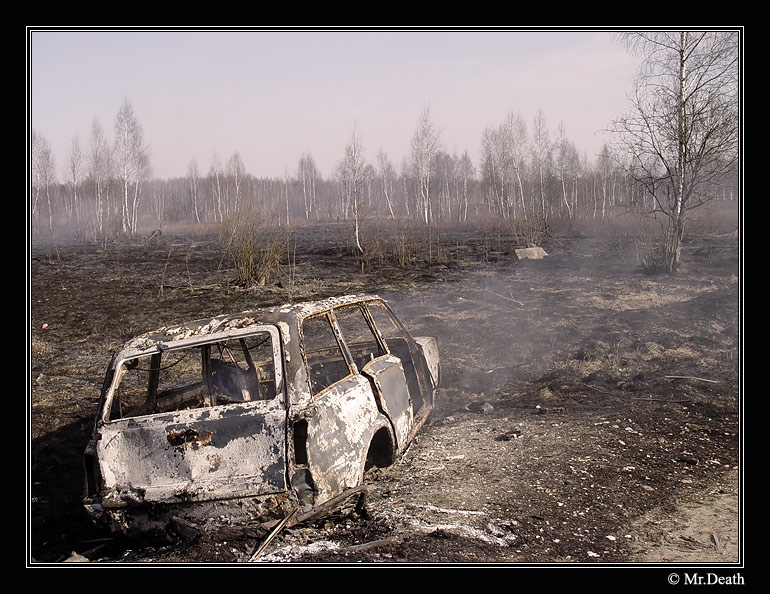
(218, 326)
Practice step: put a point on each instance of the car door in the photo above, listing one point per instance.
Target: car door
(400, 344)
(384, 370)
(343, 416)
(204, 420)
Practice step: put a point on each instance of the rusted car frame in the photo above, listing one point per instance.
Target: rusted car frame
(256, 416)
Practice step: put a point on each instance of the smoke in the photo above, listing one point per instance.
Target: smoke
(502, 325)
(493, 325)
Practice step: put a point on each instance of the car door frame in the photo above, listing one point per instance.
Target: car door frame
(386, 376)
(339, 423)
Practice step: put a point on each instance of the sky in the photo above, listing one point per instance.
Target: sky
(272, 96)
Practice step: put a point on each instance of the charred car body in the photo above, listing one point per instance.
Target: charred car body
(255, 416)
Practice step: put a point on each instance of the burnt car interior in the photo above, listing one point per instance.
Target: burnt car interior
(217, 373)
(325, 360)
(328, 364)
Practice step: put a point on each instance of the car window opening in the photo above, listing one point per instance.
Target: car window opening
(362, 343)
(220, 373)
(326, 363)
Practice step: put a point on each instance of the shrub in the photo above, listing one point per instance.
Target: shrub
(254, 243)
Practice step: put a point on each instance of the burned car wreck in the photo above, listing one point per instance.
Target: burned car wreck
(255, 417)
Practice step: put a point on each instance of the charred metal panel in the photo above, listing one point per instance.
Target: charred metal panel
(341, 424)
(304, 310)
(429, 349)
(227, 451)
(387, 373)
(298, 388)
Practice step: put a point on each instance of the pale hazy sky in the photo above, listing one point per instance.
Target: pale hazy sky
(274, 95)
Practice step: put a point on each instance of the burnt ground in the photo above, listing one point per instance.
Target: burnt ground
(589, 413)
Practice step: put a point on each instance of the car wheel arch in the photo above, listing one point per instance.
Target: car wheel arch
(381, 450)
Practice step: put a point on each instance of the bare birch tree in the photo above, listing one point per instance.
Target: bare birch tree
(494, 153)
(133, 163)
(235, 173)
(567, 163)
(681, 133)
(516, 132)
(192, 184)
(387, 174)
(43, 175)
(503, 150)
(424, 146)
(465, 172)
(542, 152)
(308, 174)
(100, 173)
(215, 179)
(351, 176)
(606, 173)
(74, 170)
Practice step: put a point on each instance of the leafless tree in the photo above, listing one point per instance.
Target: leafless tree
(192, 182)
(516, 133)
(567, 161)
(133, 163)
(494, 153)
(443, 167)
(681, 133)
(43, 175)
(308, 174)
(236, 171)
(215, 179)
(405, 185)
(503, 150)
(464, 174)
(100, 173)
(542, 153)
(74, 170)
(605, 170)
(424, 146)
(387, 174)
(350, 173)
